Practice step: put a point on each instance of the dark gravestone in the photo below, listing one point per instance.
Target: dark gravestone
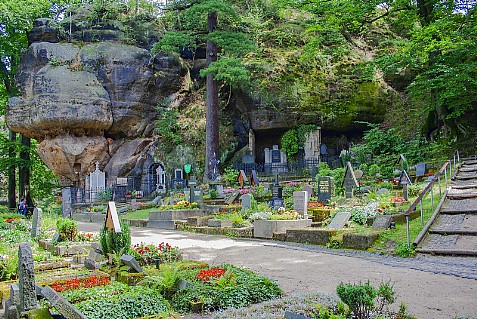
(195, 195)
(62, 305)
(382, 222)
(324, 188)
(26, 278)
(130, 261)
(182, 284)
(292, 315)
(314, 172)
(276, 156)
(56, 238)
(339, 221)
(277, 192)
(420, 169)
(350, 181)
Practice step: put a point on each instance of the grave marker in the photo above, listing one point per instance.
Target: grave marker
(324, 188)
(350, 181)
(382, 222)
(300, 203)
(242, 178)
(132, 263)
(276, 203)
(112, 219)
(195, 195)
(231, 198)
(309, 189)
(421, 169)
(246, 201)
(404, 180)
(254, 178)
(62, 305)
(26, 278)
(36, 222)
(339, 221)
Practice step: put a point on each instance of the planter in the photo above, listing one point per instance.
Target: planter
(196, 306)
(320, 214)
(266, 228)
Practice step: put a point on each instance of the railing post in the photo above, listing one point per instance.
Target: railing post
(422, 213)
(408, 232)
(432, 197)
(439, 181)
(445, 175)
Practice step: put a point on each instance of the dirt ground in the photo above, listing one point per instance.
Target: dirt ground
(429, 288)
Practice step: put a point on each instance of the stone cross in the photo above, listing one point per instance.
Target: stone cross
(26, 278)
(36, 222)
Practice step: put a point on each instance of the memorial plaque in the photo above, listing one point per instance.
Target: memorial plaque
(382, 222)
(195, 195)
(26, 278)
(277, 192)
(112, 219)
(339, 221)
(324, 188)
(276, 203)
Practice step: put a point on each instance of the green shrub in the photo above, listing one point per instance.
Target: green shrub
(359, 298)
(113, 242)
(67, 228)
(402, 250)
(213, 194)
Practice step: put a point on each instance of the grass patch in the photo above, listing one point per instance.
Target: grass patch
(139, 214)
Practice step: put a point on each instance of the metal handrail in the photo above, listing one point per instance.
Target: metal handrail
(452, 164)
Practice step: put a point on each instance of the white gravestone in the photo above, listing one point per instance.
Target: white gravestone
(97, 182)
(300, 203)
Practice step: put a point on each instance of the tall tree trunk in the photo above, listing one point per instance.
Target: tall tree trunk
(24, 170)
(212, 104)
(12, 200)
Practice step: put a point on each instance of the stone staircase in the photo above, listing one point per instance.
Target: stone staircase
(454, 230)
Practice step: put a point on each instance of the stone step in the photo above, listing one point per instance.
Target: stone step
(448, 252)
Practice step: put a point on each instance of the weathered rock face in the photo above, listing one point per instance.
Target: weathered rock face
(82, 103)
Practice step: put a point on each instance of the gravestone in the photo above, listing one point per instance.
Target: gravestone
(267, 187)
(292, 315)
(300, 203)
(358, 173)
(382, 191)
(195, 195)
(339, 221)
(276, 155)
(382, 222)
(26, 279)
(187, 194)
(312, 145)
(132, 263)
(277, 192)
(242, 178)
(62, 305)
(246, 201)
(349, 181)
(324, 188)
(309, 189)
(36, 222)
(192, 181)
(254, 178)
(112, 219)
(404, 180)
(314, 172)
(232, 198)
(420, 169)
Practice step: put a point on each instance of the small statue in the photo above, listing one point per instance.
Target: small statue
(215, 171)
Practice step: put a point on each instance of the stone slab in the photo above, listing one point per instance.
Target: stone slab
(266, 228)
(131, 262)
(162, 224)
(382, 222)
(61, 304)
(339, 221)
(221, 223)
(359, 241)
(311, 235)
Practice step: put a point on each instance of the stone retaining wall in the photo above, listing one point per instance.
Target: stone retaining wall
(310, 236)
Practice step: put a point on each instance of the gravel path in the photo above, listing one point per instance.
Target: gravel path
(431, 286)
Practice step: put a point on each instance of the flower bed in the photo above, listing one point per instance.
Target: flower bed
(147, 254)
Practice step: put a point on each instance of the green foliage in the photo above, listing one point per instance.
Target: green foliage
(213, 194)
(294, 140)
(230, 177)
(113, 242)
(402, 250)
(169, 132)
(359, 298)
(229, 70)
(122, 301)
(173, 42)
(67, 228)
